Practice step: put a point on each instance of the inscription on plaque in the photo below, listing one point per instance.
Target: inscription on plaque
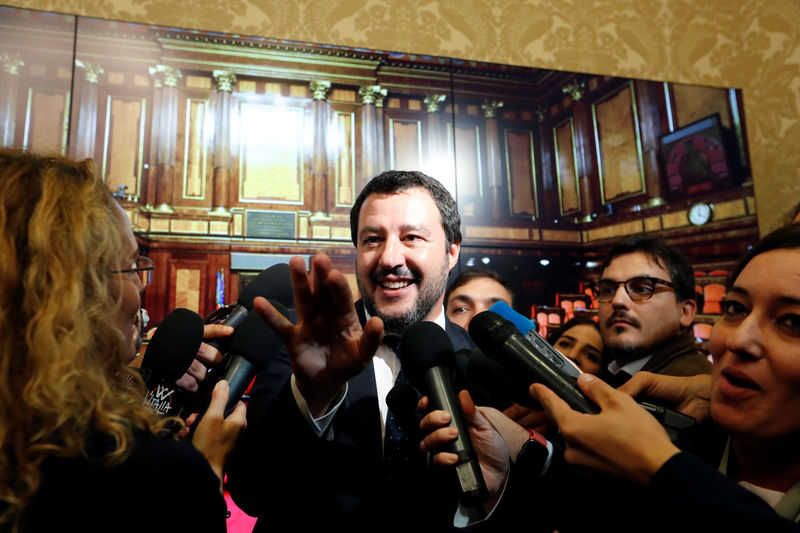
(271, 224)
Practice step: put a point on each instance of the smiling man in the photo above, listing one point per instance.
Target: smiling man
(316, 448)
(646, 309)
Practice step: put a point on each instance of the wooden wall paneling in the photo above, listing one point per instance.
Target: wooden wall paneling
(585, 159)
(345, 149)
(695, 102)
(520, 171)
(194, 163)
(123, 141)
(649, 96)
(566, 167)
(470, 163)
(618, 142)
(46, 119)
(550, 203)
(273, 140)
(405, 139)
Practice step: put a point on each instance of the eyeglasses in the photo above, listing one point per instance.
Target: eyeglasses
(638, 288)
(142, 267)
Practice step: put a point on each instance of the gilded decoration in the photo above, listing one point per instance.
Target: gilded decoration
(93, 70)
(164, 76)
(433, 101)
(11, 64)
(319, 89)
(225, 80)
(372, 95)
(576, 90)
(490, 108)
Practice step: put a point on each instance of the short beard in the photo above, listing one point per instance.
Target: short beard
(429, 294)
(626, 352)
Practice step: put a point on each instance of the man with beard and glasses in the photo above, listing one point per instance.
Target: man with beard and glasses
(646, 309)
(314, 454)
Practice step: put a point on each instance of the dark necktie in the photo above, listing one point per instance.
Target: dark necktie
(399, 448)
(620, 378)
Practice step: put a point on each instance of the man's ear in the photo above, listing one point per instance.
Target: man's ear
(452, 254)
(688, 309)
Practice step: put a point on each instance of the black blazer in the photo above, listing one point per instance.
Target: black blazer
(282, 469)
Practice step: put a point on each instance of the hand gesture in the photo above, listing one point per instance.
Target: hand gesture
(327, 346)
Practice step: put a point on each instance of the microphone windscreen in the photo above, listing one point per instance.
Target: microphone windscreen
(423, 346)
(174, 344)
(273, 283)
(489, 330)
(402, 398)
(520, 322)
(254, 340)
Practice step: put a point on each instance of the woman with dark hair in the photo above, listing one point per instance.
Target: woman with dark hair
(79, 450)
(580, 341)
(753, 395)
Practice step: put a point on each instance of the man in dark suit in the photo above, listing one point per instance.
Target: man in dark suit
(313, 455)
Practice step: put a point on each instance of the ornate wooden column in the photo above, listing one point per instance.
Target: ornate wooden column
(223, 165)
(319, 165)
(165, 131)
(549, 199)
(436, 146)
(587, 173)
(494, 157)
(370, 150)
(9, 87)
(650, 125)
(379, 129)
(83, 145)
(157, 74)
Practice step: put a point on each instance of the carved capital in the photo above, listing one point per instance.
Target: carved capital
(576, 89)
(225, 80)
(540, 112)
(490, 108)
(93, 70)
(319, 89)
(172, 76)
(433, 101)
(372, 95)
(163, 75)
(11, 64)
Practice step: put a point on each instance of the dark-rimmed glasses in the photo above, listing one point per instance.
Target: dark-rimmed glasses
(142, 267)
(638, 288)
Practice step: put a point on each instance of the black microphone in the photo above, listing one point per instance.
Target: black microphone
(169, 354)
(273, 283)
(502, 341)
(253, 346)
(500, 383)
(427, 358)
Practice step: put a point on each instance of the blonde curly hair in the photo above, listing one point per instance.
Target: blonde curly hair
(63, 373)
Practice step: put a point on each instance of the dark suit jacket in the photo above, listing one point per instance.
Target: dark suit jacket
(281, 470)
(688, 495)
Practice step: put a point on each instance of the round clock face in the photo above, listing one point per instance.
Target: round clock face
(700, 213)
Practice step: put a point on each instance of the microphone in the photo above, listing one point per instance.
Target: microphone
(273, 283)
(252, 348)
(501, 341)
(169, 353)
(427, 358)
(498, 381)
(528, 329)
(498, 338)
(402, 401)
